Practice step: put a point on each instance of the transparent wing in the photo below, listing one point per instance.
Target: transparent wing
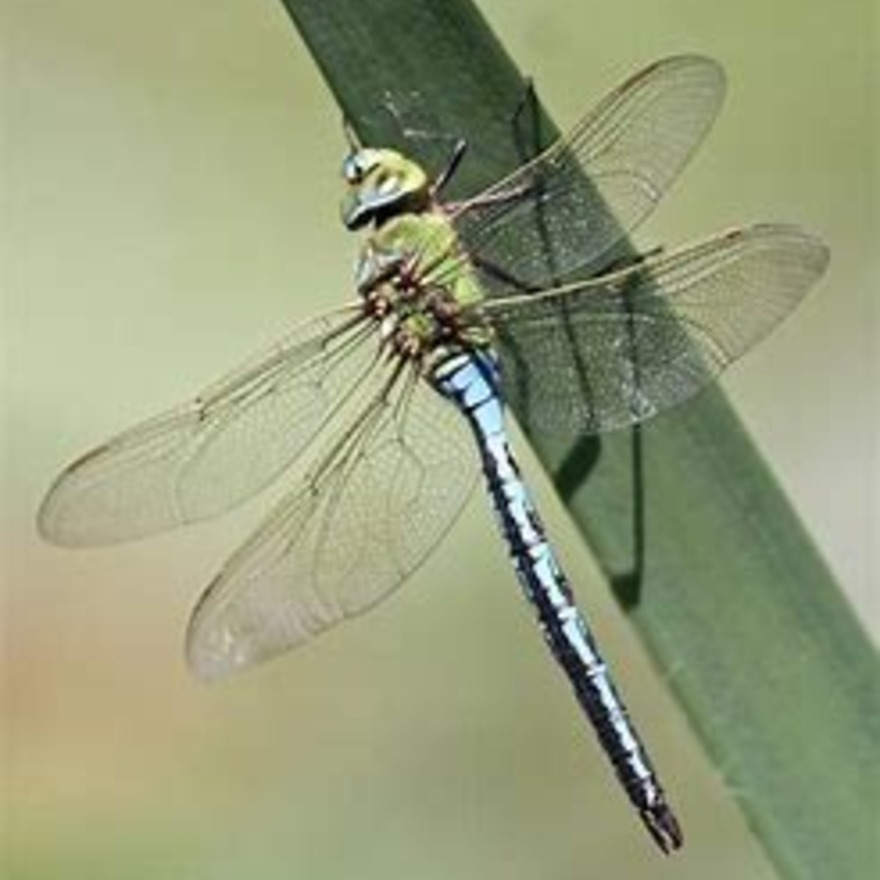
(543, 223)
(615, 350)
(226, 444)
(390, 488)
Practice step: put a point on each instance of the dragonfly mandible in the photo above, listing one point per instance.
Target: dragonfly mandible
(400, 393)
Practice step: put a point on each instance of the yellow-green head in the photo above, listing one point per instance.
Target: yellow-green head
(381, 184)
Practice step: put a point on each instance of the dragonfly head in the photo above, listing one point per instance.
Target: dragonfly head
(381, 184)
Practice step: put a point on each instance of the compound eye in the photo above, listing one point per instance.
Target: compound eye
(387, 184)
(352, 170)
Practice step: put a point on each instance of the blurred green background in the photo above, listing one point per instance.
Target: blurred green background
(172, 174)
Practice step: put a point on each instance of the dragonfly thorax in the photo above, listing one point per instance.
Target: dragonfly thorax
(419, 286)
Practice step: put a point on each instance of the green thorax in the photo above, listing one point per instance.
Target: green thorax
(413, 271)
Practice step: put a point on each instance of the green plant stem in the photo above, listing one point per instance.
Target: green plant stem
(718, 575)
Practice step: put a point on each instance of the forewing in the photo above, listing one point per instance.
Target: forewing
(616, 350)
(230, 441)
(345, 539)
(631, 147)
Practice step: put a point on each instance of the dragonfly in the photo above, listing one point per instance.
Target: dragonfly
(461, 307)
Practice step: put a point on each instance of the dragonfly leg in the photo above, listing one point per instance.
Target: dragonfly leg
(459, 148)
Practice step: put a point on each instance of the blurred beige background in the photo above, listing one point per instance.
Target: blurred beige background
(172, 173)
